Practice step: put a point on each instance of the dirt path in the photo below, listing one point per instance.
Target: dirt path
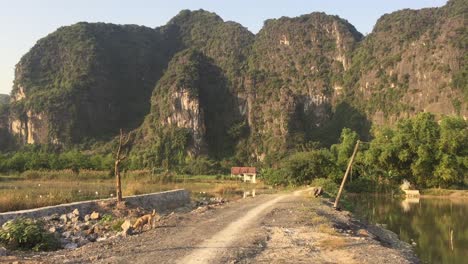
(281, 228)
(207, 251)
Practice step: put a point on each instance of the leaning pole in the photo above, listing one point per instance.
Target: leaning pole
(346, 175)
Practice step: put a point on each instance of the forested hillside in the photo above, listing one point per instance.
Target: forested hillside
(200, 86)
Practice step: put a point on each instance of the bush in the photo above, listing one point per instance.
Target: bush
(275, 177)
(360, 185)
(303, 167)
(328, 185)
(26, 233)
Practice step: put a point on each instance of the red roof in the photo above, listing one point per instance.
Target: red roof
(241, 170)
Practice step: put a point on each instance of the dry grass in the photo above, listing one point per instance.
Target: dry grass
(43, 188)
(326, 228)
(446, 192)
(226, 188)
(333, 243)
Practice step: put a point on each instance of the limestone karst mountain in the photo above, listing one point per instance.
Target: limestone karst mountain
(201, 85)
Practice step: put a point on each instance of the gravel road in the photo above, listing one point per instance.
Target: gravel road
(278, 228)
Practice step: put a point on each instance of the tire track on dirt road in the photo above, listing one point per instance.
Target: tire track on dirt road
(210, 249)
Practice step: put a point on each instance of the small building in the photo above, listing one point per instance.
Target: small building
(249, 174)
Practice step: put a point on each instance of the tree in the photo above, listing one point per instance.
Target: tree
(119, 158)
(452, 151)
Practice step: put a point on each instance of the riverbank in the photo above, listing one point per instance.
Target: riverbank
(278, 228)
(444, 193)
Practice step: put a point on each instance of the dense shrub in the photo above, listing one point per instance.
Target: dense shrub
(25, 234)
(328, 185)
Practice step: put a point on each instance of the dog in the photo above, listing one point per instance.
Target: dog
(146, 219)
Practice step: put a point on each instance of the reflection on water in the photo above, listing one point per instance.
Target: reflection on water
(407, 202)
(437, 228)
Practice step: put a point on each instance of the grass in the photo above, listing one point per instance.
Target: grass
(43, 188)
(333, 243)
(445, 192)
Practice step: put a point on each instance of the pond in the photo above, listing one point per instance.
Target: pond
(436, 227)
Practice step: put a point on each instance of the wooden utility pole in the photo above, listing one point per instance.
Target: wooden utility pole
(350, 164)
(118, 160)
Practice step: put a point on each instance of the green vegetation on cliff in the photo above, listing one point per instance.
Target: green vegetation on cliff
(90, 79)
(201, 90)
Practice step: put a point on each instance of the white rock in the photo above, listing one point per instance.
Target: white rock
(64, 218)
(101, 239)
(94, 216)
(76, 212)
(126, 227)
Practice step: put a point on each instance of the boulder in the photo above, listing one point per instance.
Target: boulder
(92, 237)
(87, 218)
(70, 246)
(362, 232)
(75, 219)
(94, 215)
(126, 228)
(67, 234)
(64, 218)
(76, 212)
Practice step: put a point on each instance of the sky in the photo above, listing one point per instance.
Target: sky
(23, 22)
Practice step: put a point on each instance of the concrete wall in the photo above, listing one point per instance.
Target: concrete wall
(161, 201)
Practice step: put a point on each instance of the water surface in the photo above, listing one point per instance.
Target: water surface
(436, 227)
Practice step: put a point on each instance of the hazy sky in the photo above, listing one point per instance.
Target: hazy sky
(24, 22)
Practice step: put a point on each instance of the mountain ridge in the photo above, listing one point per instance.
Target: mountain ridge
(297, 80)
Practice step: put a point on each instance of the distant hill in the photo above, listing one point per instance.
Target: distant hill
(200, 85)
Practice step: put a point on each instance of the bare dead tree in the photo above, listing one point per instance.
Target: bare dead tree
(119, 158)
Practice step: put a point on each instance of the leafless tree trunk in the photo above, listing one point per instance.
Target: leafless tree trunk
(119, 158)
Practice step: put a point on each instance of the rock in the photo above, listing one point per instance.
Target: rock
(70, 215)
(94, 215)
(92, 237)
(90, 231)
(101, 239)
(76, 239)
(87, 218)
(53, 217)
(53, 229)
(67, 234)
(64, 218)
(76, 212)
(362, 232)
(75, 219)
(3, 252)
(126, 228)
(83, 242)
(70, 246)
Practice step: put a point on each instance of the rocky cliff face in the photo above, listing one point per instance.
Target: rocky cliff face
(86, 81)
(5, 139)
(410, 63)
(295, 77)
(200, 85)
